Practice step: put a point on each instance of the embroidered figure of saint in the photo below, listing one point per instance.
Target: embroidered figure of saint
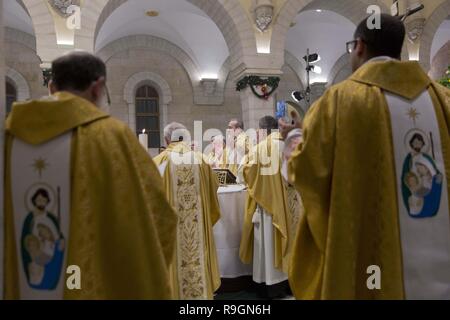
(421, 180)
(42, 244)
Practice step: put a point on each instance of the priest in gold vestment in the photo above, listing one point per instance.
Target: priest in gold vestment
(272, 211)
(373, 175)
(191, 187)
(238, 145)
(120, 228)
(217, 157)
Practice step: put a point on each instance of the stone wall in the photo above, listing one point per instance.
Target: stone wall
(289, 82)
(125, 64)
(23, 62)
(440, 63)
(341, 70)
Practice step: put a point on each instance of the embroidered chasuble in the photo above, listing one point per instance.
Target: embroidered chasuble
(82, 194)
(236, 153)
(191, 187)
(373, 174)
(218, 161)
(272, 211)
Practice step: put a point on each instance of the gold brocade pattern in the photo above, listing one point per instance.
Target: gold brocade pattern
(85, 240)
(206, 185)
(295, 210)
(268, 191)
(191, 275)
(344, 171)
(122, 228)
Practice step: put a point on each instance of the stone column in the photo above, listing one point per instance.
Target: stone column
(2, 137)
(254, 108)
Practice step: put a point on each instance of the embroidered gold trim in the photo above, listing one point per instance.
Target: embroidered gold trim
(294, 203)
(190, 237)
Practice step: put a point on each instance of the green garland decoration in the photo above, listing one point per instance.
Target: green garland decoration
(446, 80)
(257, 81)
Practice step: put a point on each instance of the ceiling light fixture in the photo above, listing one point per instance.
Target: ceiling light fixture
(152, 13)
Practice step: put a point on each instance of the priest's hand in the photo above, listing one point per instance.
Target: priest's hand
(286, 127)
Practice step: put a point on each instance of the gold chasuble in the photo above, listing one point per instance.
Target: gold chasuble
(217, 161)
(191, 187)
(109, 220)
(269, 192)
(237, 151)
(373, 173)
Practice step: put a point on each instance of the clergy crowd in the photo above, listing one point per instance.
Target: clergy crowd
(349, 202)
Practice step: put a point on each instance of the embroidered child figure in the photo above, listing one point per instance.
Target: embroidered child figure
(415, 201)
(35, 267)
(47, 239)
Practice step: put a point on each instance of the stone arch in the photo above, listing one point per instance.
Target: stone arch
(342, 63)
(156, 81)
(44, 29)
(354, 10)
(440, 62)
(19, 82)
(229, 16)
(154, 43)
(431, 26)
(201, 95)
(14, 35)
(20, 2)
(292, 62)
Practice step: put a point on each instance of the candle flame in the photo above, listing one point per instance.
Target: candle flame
(143, 131)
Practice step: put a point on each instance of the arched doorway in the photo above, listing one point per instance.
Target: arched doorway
(148, 114)
(11, 96)
(440, 51)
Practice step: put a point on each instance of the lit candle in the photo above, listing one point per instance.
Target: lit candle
(143, 139)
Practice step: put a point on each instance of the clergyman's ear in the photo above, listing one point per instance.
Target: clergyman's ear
(52, 89)
(360, 47)
(97, 88)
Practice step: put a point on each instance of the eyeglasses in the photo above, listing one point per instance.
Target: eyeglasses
(351, 45)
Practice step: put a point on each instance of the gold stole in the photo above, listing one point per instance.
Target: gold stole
(190, 236)
(41, 198)
(423, 204)
(295, 211)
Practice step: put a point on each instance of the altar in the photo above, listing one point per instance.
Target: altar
(228, 230)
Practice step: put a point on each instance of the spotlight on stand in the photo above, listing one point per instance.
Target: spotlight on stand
(298, 96)
(312, 58)
(315, 69)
